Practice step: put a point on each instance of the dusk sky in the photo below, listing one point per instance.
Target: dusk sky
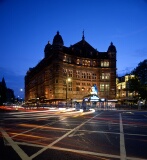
(27, 25)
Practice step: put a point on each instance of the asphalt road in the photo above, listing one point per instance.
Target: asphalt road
(73, 135)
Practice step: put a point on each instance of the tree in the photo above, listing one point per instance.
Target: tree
(133, 85)
(140, 73)
(3, 90)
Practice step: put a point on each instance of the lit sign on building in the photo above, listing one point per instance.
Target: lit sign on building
(94, 98)
(94, 89)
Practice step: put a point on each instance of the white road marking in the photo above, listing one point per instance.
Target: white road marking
(51, 146)
(14, 145)
(62, 137)
(94, 153)
(80, 151)
(122, 141)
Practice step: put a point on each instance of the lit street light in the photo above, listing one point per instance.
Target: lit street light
(21, 89)
(20, 97)
(67, 80)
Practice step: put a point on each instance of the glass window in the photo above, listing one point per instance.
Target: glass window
(94, 63)
(70, 86)
(102, 87)
(106, 87)
(64, 59)
(88, 63)
(56, 81)
(77, 83)
(69, 59)
(64, 72)
(83, 75)
(105, 76)
(88, 75)
(83, 62)
(105, 63)
(77, 88)
(93, 76)
(70, 73)
(77, 74)
(78, 61)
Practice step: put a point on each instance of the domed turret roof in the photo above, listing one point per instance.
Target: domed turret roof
(47, 47)
(58, 40)
(111, 48)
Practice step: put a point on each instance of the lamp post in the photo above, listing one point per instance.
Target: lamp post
(22, 95)
(67, 80)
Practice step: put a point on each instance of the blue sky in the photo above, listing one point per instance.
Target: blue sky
(27, 25)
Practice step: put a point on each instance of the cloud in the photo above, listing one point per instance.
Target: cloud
(125, 71)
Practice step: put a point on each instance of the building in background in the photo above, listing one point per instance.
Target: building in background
(6, 94)
(123, 94)
(66, 74)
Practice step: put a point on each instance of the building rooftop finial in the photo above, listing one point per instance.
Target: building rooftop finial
(83, 37)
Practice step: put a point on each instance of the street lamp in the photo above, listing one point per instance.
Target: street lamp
(22, 95)
(67, 80)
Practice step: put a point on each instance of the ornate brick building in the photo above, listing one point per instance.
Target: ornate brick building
(85, 66)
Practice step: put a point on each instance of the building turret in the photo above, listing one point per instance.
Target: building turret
(47, 49)
(112, 48)
(58, 41)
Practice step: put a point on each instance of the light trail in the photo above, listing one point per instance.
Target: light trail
(62, 137)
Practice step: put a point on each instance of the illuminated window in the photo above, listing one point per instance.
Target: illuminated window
(67, 59)
(83, 89)
(102, 87)
(70, 73)
(88, 63)
(77, 74)
(123, 86)
(105, 76)
(119, 87)
(104, 63)
(64, 59)
(94, 63)
(78, 61)
(106, 87)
